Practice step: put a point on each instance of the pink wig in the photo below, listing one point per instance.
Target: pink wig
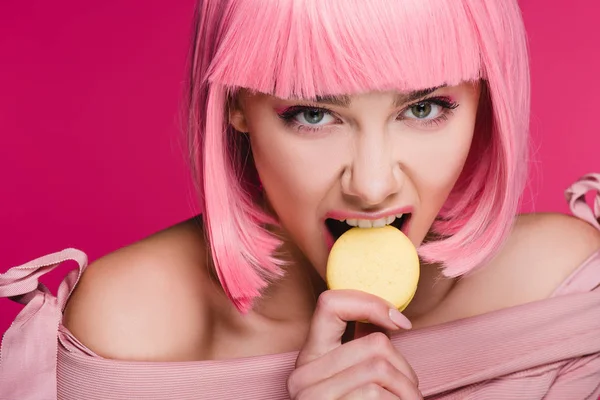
(305, 48)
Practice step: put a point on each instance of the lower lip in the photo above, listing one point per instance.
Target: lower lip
(329, 239)
(406, 225)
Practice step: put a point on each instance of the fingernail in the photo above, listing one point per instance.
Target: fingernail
(399, 319)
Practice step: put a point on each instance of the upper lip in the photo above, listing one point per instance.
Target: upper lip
(371, 216)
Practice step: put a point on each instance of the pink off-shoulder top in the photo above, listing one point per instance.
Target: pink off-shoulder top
(548, 349)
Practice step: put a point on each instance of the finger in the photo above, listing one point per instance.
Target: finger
(362, 330)
(375, 345)
(334, 309)
(377, 371)
(370, 391)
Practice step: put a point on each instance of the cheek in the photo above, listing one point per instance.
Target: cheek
(296, 172)
(444, 162)
(286, 170)
(437, 161)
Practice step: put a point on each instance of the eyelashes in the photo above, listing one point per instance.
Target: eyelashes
(424, 114)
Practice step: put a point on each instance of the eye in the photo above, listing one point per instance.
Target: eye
(306, 118)
(428, 113)
(423, 110)
(313, 116)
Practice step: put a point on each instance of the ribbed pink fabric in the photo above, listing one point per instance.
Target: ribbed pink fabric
(548, 349)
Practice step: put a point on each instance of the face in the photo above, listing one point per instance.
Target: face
(369, 159)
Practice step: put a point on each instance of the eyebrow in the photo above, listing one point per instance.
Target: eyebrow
(401, 98)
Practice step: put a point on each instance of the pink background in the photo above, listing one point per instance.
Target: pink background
(90, 151)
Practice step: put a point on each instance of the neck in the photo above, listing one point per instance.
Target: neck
(433, 289)
(292, 299)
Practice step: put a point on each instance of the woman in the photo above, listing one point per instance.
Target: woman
(305, 118)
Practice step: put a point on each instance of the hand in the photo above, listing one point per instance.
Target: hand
(365, 368)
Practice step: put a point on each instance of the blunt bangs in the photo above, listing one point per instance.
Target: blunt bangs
(308, 48)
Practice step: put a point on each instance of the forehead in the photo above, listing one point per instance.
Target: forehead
(313, 49)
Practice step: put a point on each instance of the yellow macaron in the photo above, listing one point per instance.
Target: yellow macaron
(381, 261)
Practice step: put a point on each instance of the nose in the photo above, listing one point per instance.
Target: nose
(373, 175)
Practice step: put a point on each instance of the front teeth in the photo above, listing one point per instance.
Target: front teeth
(378, 223)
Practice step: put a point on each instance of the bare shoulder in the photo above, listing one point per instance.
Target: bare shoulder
(147, 301)
(541, 252)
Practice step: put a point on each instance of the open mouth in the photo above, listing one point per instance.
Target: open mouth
(337, 228)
